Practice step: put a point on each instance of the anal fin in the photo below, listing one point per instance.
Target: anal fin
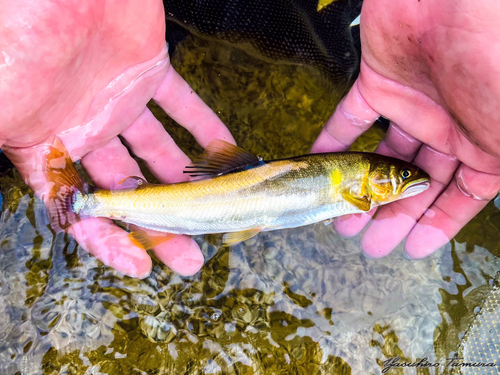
(234, 238)
(146, 238)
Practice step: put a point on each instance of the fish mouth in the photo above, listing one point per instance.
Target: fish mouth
(416, 187)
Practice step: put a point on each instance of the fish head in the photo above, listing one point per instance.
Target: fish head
(392, 179)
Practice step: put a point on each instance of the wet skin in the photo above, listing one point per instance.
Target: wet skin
(432, 69)
(60, 66)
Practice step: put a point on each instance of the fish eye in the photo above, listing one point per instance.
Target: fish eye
(405, 173)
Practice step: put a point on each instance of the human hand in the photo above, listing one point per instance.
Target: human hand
(84, 72)
(432, 69)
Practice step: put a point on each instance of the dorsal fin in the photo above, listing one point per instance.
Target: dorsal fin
(221, 157)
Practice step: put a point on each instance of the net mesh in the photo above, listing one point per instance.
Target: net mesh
(282, 31)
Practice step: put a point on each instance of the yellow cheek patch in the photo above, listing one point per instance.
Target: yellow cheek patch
(336, 177)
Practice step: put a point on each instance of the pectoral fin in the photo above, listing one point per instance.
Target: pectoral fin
(147, 239)
(138, 181)
(234, 238)
(361, 202)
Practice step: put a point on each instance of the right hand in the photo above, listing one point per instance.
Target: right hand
(431, 67)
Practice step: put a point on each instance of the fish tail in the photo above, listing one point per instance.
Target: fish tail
(68, 188)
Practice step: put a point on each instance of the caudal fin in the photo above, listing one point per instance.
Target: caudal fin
(66, 183)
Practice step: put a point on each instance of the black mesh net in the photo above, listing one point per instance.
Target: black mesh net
(285, 31)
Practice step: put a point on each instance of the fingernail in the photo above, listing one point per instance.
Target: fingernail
(460, 181)
(356, 121)
(440, 154)
(404, 134)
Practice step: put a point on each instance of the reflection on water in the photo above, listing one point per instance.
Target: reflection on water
(297, 301)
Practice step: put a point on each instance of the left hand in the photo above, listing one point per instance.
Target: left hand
(84, 72)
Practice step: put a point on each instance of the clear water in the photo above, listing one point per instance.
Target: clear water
(298, 301)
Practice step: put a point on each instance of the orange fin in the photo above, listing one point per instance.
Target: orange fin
(221, 157)
(141, 182)
(147, 239)
(59, 170)
(234, 238)
(363, 203)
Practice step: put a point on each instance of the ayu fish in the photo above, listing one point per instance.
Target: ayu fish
(238, 194)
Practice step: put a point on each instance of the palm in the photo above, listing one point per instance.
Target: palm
(84, 72)
(428, 70)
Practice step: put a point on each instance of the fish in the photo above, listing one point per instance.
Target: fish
(235, 193)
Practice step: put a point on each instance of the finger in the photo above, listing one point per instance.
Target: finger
(100, 237)
(352, 117)
(394, 221)
(149, 141)
(181, 254)
(397, 144)
(351, 225)
(469, 192)
(110, 244)
(110, 164)
(182, 104)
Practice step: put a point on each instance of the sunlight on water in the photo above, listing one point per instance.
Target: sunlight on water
(298, 301)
